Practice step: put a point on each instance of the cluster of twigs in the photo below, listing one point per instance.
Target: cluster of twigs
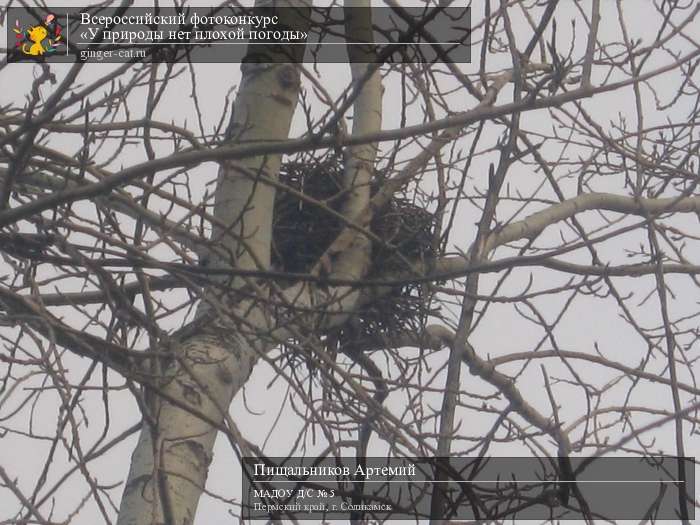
(308, 219)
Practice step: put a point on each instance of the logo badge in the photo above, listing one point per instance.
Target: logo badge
(39, 41)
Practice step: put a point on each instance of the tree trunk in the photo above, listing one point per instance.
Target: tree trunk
(170, 463)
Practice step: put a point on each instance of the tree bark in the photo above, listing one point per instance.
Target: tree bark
(170, 463)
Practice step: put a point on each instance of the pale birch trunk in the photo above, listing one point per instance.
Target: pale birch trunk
(353, 260)
(170, 463)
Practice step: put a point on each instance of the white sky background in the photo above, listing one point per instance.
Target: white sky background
(501, 332)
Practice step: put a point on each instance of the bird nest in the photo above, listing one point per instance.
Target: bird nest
(307, 221)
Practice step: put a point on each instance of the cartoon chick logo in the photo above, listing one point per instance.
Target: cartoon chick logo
(39, 40)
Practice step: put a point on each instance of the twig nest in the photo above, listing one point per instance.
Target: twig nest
(307, 221)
